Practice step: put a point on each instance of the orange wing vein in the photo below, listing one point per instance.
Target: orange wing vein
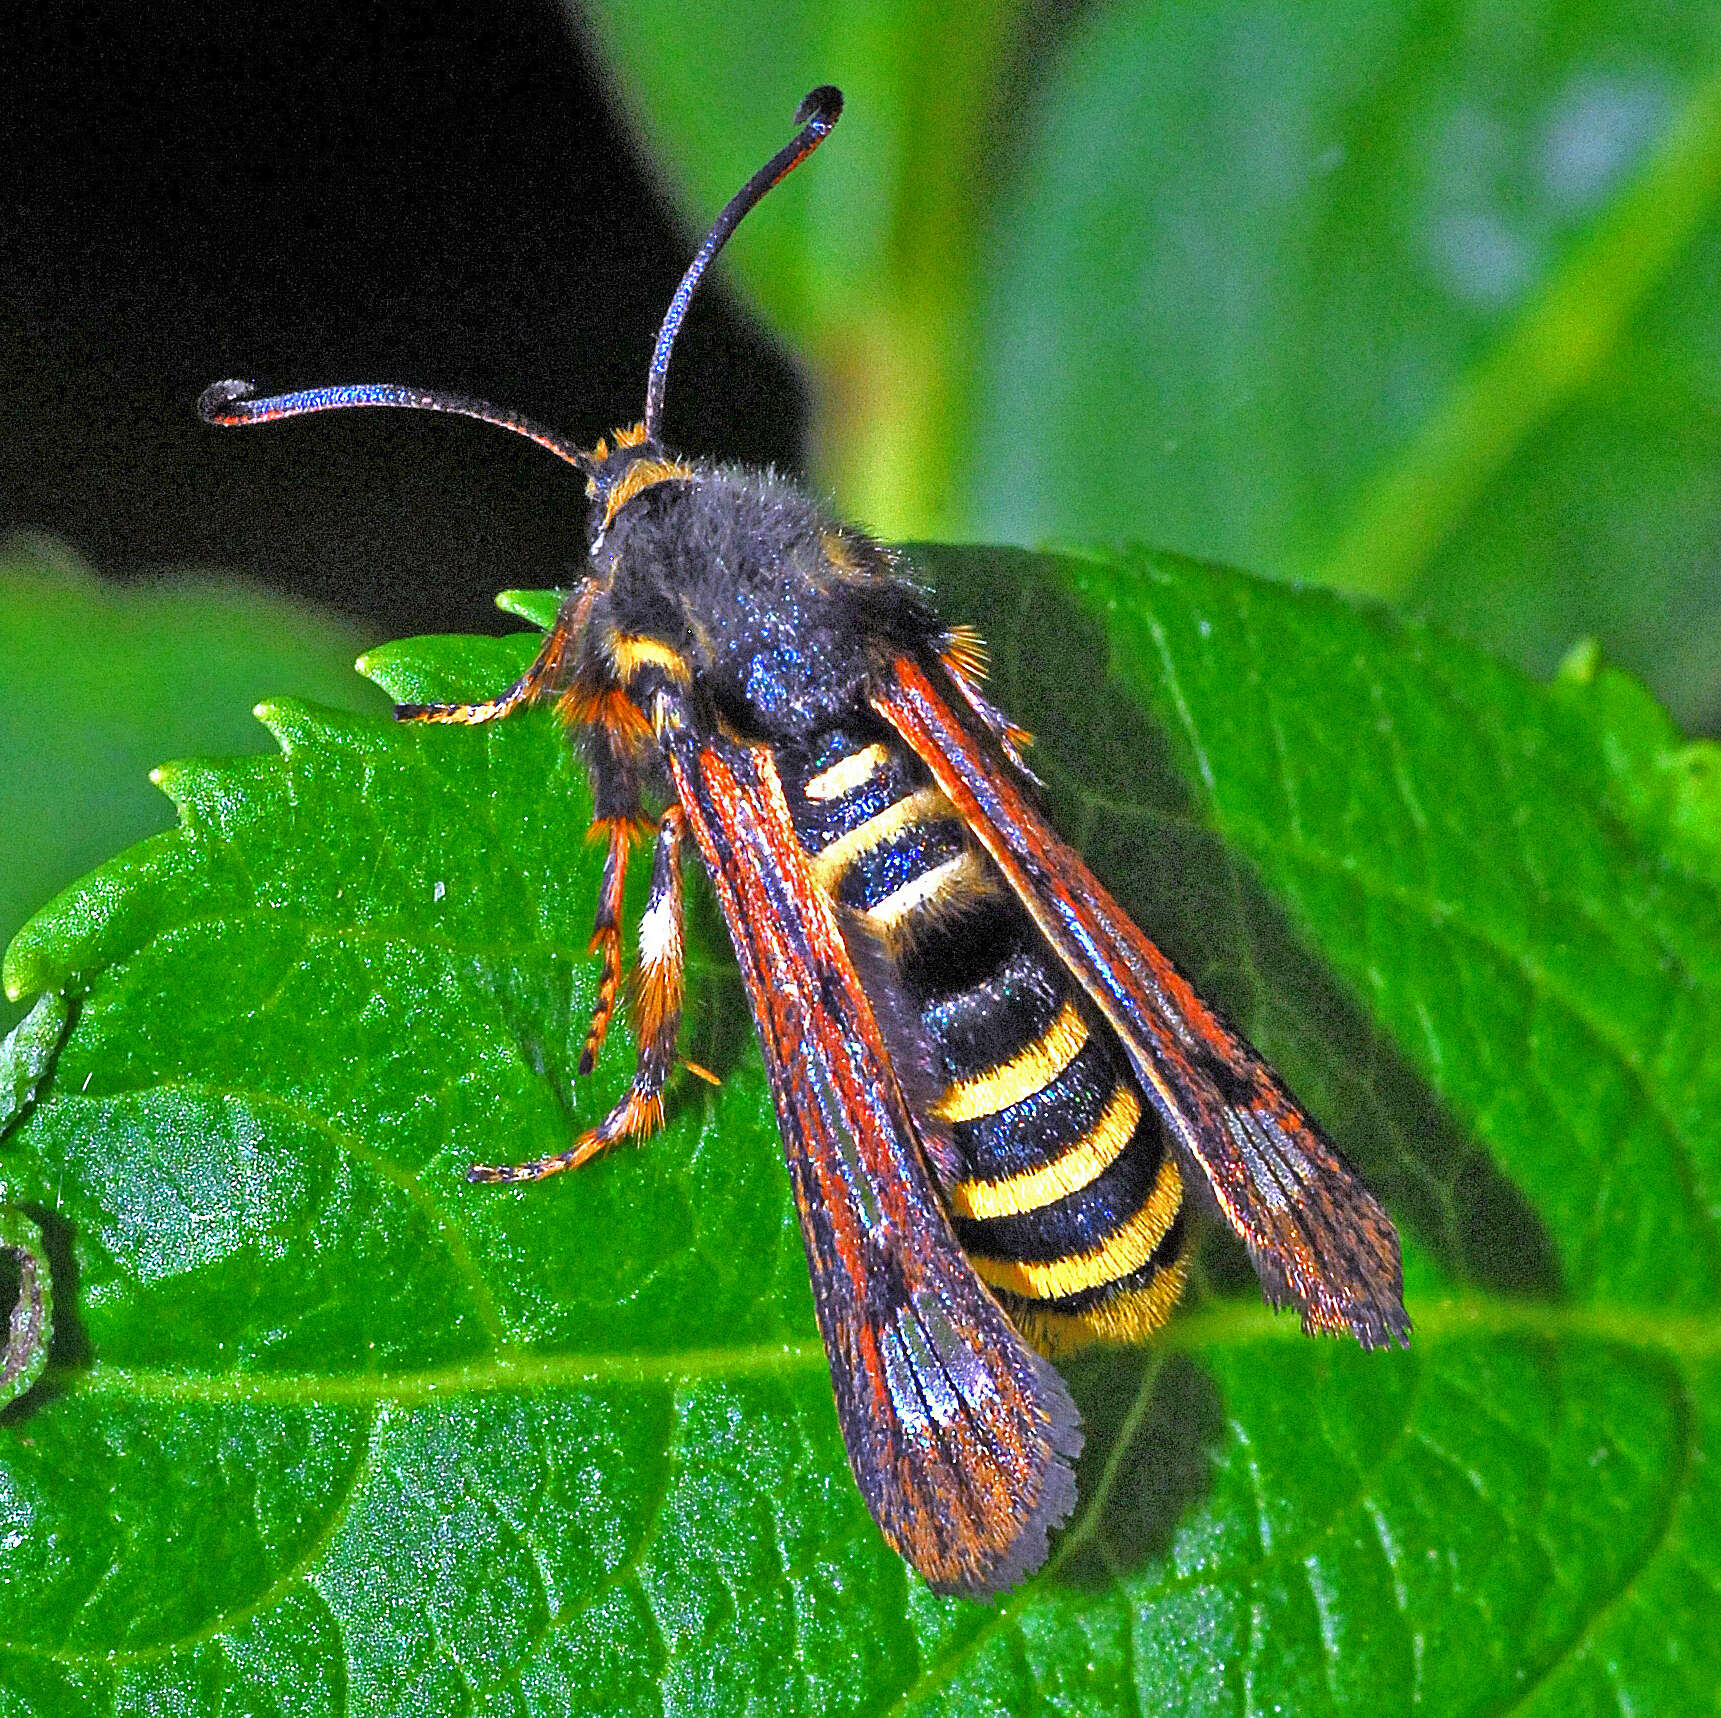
(1316, 1234)
(959, 1435)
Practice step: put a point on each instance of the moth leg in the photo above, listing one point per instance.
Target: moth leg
(657, 1011)
(606, 933)
(544, 675)
(962, 654)
(661, 986)
(613, 731)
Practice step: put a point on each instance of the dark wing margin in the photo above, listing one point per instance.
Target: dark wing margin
(1317, 1236)
(961, 1438)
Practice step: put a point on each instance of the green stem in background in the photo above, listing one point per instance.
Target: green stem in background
(891, 393)
(1557, 347)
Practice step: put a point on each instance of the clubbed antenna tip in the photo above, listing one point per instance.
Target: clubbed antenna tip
(820, 109)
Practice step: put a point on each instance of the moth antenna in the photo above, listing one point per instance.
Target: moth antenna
(235, 403)
(820, 109)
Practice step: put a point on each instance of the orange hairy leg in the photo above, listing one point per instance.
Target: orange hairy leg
(545, 675)
(657, 1011)
(606, 934)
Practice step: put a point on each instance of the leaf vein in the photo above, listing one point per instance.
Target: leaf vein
(452, 1233)
(1673, 1495)
(226, 1621)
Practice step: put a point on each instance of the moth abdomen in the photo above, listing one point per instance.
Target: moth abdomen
(1059, 1183)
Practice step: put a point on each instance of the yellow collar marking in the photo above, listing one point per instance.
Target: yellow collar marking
(642, 474)
(631, 652)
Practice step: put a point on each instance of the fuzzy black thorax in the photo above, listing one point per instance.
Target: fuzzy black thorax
(781, 616)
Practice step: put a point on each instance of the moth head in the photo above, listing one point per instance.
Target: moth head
(637, 460)
(619, 473)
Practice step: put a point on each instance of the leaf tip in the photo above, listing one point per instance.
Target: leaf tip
(391, 666)
(24, 973)
(1581, 664)
(170, 779)
(538, 607)
(287, 720)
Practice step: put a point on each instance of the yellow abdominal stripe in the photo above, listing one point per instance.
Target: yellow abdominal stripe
(1027, 1072)
(959, 879)
(917, 807)
(1131, 1317)
(1127, 1249)
(1073, 1168)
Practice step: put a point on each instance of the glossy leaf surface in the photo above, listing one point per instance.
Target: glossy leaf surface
(327, 1430)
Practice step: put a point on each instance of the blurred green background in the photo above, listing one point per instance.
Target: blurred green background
(1418, 301)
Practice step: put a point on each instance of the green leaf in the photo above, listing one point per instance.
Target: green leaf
(99, 682)
(327, 1430)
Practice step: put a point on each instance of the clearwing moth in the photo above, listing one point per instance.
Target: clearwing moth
(995, 1093)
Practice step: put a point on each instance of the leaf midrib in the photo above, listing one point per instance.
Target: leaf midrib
(1680, 1338)
(1687, 1338)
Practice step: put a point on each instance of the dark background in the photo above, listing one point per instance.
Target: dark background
(322, 192)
